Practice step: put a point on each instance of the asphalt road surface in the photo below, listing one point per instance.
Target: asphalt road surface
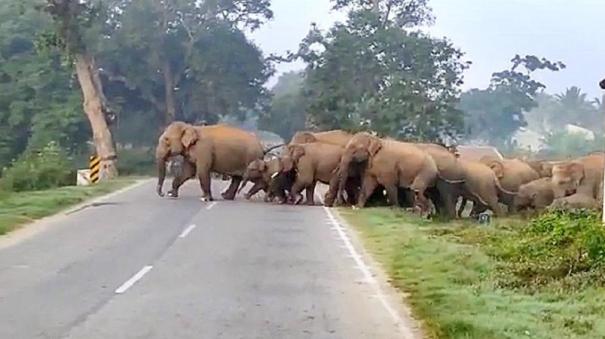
(136, 266)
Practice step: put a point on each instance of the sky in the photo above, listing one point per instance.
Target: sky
(490, 32)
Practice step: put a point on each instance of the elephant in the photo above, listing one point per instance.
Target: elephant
(577, 200)
(583, 175)
(218, 148)
(313, 162)
(482, 187)
(391, 164)
(334, 137)
(511, 174)
(450, 179)
(260, 172)
(536, 195)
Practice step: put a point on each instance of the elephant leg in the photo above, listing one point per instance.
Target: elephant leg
(229, 194)
(352, 191)
(368, 186)
(462, 207)
(392, 195)
(255, 189)
(295, 192)
(205, 184)
(478, 208)
(310, 192)
(187, 172)
(447, 199)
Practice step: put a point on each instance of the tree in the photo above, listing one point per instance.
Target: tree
(193, 53)
(287, 112)
(370, 73)
(496, 113)
(75, 22)
(37, 102)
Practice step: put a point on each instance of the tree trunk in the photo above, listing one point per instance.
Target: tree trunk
(94, 101)
(169, 92)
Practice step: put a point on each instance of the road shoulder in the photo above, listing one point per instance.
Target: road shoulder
(394, 300)
(35, 226)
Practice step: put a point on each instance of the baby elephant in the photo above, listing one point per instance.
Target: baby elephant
(259, 172)
(535, 195)
(314, 163)
(578, 200)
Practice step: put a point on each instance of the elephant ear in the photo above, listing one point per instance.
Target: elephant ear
(374, 146)
(189, 137)
(497, 167)
(296, 151)
(576, 172)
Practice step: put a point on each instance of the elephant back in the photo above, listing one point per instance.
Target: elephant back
(448, 166)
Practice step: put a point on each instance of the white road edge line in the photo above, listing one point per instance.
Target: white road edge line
(187, 230)
(367, 275)
(211, 205)
(125, 286)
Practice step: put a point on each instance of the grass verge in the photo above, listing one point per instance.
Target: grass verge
(20, 208)
(452, 274)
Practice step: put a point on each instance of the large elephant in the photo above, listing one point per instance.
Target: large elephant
(583, 175)
(218, 148)
(535, 195)
(450, 179)
(333, 137)
(314, 162)
(389, 163)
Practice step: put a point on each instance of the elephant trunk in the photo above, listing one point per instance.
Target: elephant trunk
(343, 175)
(161, 164)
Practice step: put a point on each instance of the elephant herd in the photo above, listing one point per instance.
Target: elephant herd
(362, 169)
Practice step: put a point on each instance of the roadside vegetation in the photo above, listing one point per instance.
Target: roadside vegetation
(540, 278)
(18, 208)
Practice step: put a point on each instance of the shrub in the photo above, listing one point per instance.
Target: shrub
(36, 170)
(563, 247)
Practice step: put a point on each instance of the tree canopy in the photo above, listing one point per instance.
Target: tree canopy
(372, 73)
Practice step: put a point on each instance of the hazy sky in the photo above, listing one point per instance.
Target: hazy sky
(491, 32)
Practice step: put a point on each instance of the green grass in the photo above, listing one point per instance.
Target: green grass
(451, 276)
(20, 208)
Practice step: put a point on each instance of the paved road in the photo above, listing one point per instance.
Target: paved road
(136, 266)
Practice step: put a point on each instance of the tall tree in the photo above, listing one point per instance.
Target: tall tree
(373, 72)
(164, 48)
(75, 22)
(37, 103)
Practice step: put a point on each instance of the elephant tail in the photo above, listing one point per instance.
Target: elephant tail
(272, 148)
(450, 181)
(503, 190)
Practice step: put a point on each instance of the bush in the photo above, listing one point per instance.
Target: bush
(136, 161)
(562, 247)
(37, 170)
